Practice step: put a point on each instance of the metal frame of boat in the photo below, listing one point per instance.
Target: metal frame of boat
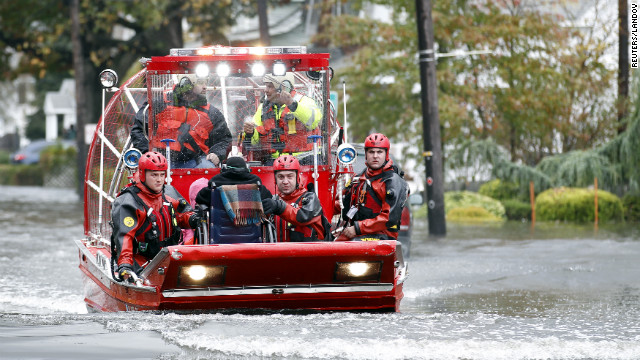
(326, 276)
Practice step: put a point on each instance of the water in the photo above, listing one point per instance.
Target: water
(503, 292)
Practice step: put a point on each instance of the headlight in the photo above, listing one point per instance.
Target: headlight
(108, 78)
(358, 271)
(201, 275)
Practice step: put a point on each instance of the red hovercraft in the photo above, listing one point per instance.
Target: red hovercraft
(323, 276)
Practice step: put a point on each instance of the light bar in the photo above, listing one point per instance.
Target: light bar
(258, 69)
(230, 50)
(223, 69)
(279, 68)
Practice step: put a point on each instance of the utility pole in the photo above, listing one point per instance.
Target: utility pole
(81, 98)
(623, 63)
(263, 23)
(430, 121)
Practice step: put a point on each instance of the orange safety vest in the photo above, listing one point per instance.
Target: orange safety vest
(173, 117)
(294, 140)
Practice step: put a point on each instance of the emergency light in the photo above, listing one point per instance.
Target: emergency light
(232, 50)
(347, 154)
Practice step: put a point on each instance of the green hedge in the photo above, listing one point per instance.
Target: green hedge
(56, 156)
(472, 214)
(499, 190)
(4, 157)
(29, 175)
(465, 199)
(631, 205)
(51, 159)
(516, 209)
(577, 205)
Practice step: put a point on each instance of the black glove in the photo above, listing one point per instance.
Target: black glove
(274, 206)
(125, 269)
(194, 220)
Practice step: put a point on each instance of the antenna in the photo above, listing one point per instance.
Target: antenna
(344, 100)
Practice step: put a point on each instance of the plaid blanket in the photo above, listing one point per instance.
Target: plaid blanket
(242, 203)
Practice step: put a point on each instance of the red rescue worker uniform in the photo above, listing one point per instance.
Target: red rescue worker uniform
(144, 219)
(299, 215)
(302, 218)
(143, 223)
(373, 203)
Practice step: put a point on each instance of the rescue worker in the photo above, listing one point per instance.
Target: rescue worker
(283, 121)
(373, 202)
(200, 130)
(145, 219)
(298, 212)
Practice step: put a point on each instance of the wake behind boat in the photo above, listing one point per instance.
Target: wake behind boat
(208, 275)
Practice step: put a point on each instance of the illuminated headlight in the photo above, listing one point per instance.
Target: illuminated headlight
(223, 69)
(202, 70)
(279, 68)
(358, 271)
(201, 275)
(258, 69)
(346, 154)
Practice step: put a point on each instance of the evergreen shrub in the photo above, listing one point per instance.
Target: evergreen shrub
(471, 214)
(516, 209)
(29, 175)
(577, 205)
(631, 205)
(53, 157)
(499, 190)
(465, 199)
(4, 157)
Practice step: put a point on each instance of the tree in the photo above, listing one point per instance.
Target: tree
(111, 34)
(544, 90)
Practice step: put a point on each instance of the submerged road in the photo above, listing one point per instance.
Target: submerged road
(557, 291)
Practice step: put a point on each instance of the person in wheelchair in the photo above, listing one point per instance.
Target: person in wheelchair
(234, 198)
(299, 215)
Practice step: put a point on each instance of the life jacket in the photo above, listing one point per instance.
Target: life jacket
(159, 229)
(363, 196)
(189, 126)
(285, 134)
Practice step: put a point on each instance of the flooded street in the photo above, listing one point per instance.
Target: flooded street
(557, 291)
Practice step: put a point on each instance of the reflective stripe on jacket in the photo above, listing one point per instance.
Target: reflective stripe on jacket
(296, 125)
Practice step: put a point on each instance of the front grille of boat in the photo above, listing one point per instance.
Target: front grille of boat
(278, 290)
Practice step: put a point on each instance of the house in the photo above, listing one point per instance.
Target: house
(15, 108)
(60, 111)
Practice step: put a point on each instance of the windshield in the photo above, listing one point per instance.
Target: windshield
(188, 109)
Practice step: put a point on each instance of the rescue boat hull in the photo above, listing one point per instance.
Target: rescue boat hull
(294, 276)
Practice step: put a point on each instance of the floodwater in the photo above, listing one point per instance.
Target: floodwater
(557, 291)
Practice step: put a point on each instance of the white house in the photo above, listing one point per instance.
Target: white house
(60, 110)
(15, 107)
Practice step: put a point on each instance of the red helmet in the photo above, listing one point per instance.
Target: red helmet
(288, 162)
(152, 161)
(377, 141)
